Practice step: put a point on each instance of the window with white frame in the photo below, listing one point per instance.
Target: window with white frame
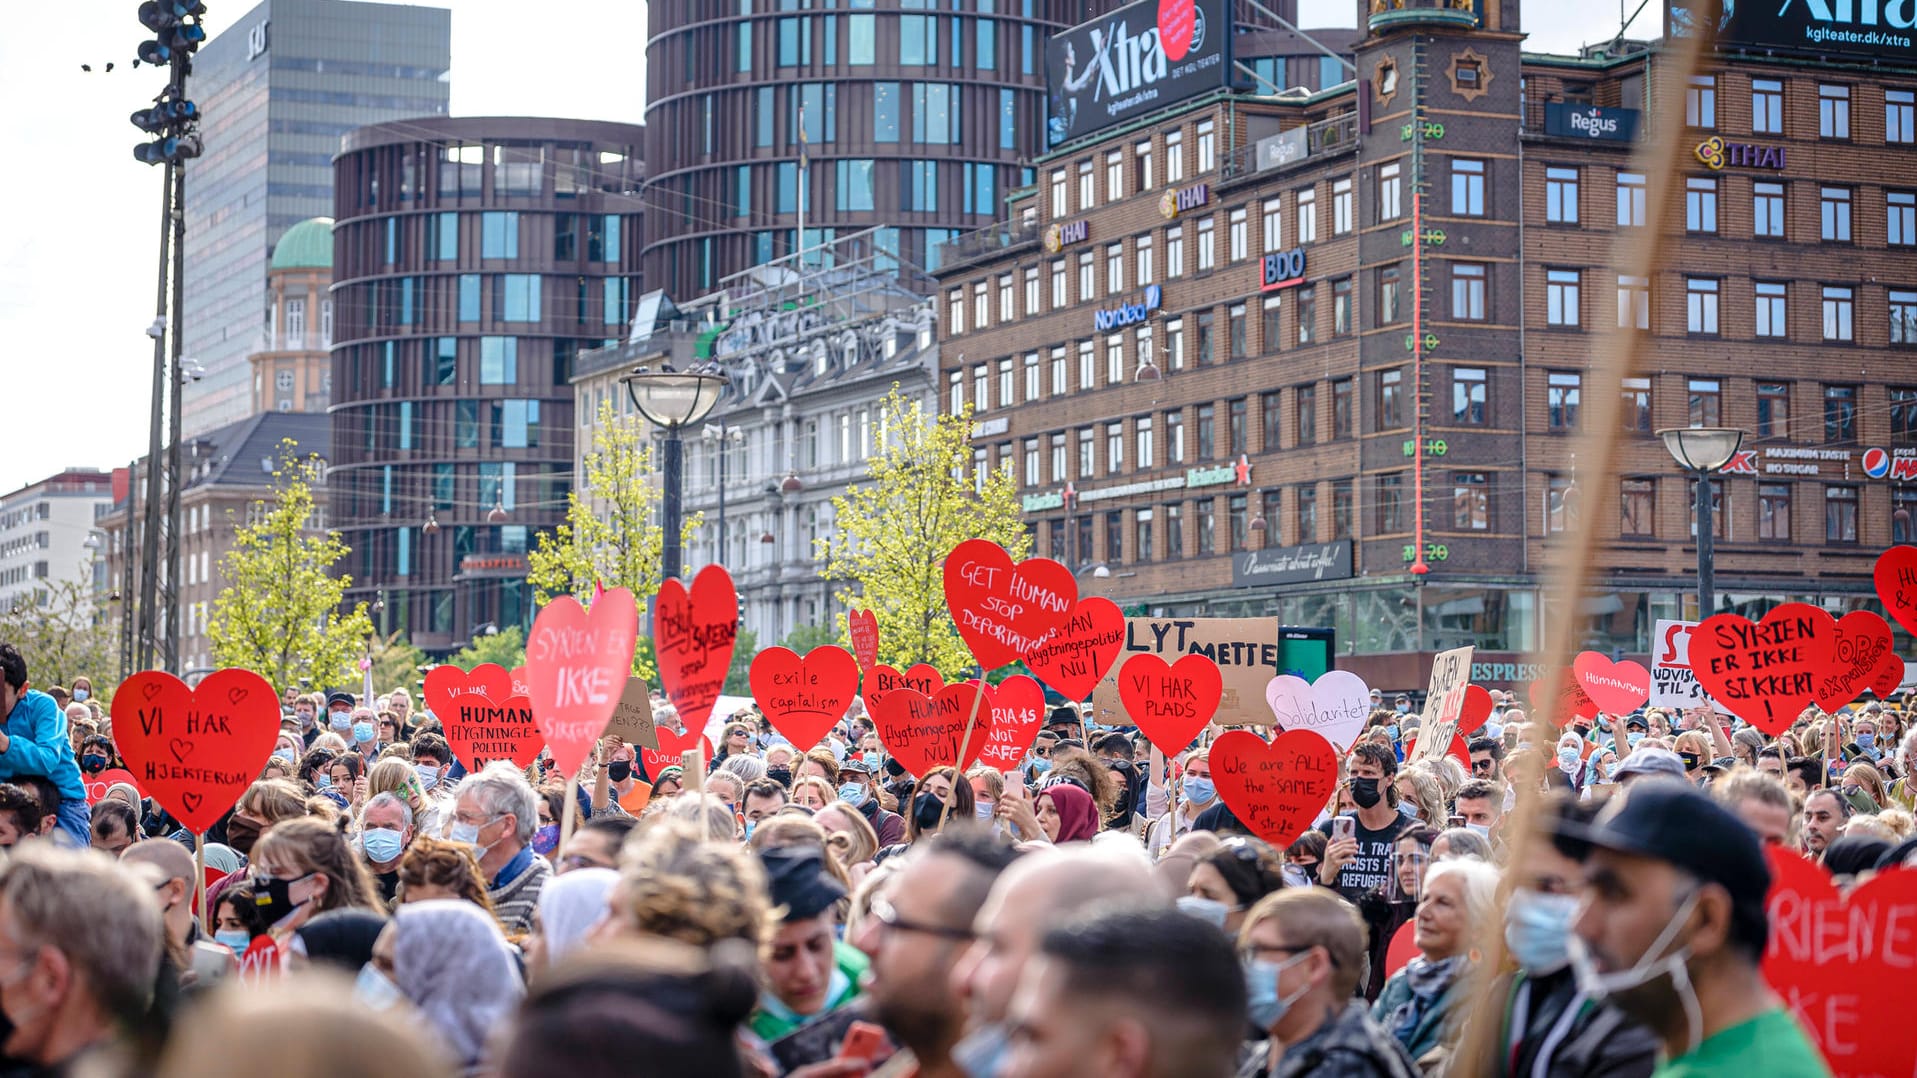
(1341, 206)
(1274, 225)
(1237, 228)
(1306, 202)
(1772, 318)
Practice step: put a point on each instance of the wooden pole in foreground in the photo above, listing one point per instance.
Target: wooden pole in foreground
(199, 878)
(965, 744)
(571, 812)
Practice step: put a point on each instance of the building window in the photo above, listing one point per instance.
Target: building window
(1146, 455)
(1341, 307)
(1114, 175)
(1175, 344)
(1273, 222)
(1719, 515)
(1834, 213)
(1087, 367)
(1772, 317)
(1205, 335)
(1391, 514)
(1562, 392)
(1706, 402)
(1006, 388)
(1559, 504)
(1903, 514)
(1236, 434)
(1175, 437)
(1773, 409)
(1237, 239)
(1470, 501)
(1467, 187)
(1901, 218)
(1006, 311)
(1342, 418)
(1207, 251)
(1115, 359)
(1467, 291)
(296, 325)
(982, 387)
(516, 297)
(1903, 318)
(981, 305)
(1270, 412)
(1175, 251)
(1637, 405)
(1031, 376)
(1840, 413)
(1634, 302)
(1391, 403)
(1058, 458)
(1207, 147)
(1561, 195)
(1700, 305)
(498, 361)
(1637, 511)
(1308, 314)
(1174, 532)
(1700, 101)
(1390, 193)
(1142, 535)
(955, 311)
(1767, 210)
(1767, 107)
(1235, 330)
(1031, 290)
(1899, 107)
(1307, 513)
(1174, 160)
(1059, 207)
(1833, 111)
(1237, 519)
(1059, 295)
(1903, 414)
(1307, 414)
(1630, 199)
(1204, 516)
(499, 235)
(1390, 289)
(1268, 328)
(1774, 511)
(1087, 279)
(1143, 246)
(1468, 386)
(1114, 268)
(1561, 297)
(1306, 203)
(1700, 204)
(1114, 447)
(1087, 452)
(1087, 185)
(1837, 314)
(1840, 514)
(1142, 171)
(1341, 206)
(1207, 431)
(1030, 452)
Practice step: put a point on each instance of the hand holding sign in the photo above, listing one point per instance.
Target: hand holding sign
(1765, 672)
(693, 634)
(1276, 790)
(1078, 653)
(1170, 703)
(1616, 688)
(577, 666)
(1018, 707)
(802, 698)
(1005, 611)
(863, 627)
(196, 750)
(1336, 705)
(632, 720)
(483, 719)
(923, 733)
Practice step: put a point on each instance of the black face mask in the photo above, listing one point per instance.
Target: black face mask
(273, 897)
(1365, 792)
(926, 810)
(619, 770)
(780, 775)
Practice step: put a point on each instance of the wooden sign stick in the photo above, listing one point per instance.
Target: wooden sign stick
(571, 812)
(965, 742)
(199, 877)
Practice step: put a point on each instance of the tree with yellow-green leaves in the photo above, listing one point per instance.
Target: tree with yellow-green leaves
(609, 538)
(279, 612)
(894, 531)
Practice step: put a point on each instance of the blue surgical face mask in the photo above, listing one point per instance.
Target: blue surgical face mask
(341, 720)
(1209, 910)
(1404, 708)
(1535, 928)
(1631, 738)
(363, 732)
(1267, 1007)
(1393, 731)
(428, 775)
(288, 755)
(1199, 789)
(983, 809)
(982, 1053)
(80, 696)
(236, 940)
(382, 845)
(325, 782)
(852, 793)
(1040, 765)
(376, 990)
(1865, 741)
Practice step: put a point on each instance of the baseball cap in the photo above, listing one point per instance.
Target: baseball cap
(340, 698)
(1650, 761)
(1637, 721)
(797, 880)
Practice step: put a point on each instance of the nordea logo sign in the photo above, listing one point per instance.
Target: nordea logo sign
(1110, 318)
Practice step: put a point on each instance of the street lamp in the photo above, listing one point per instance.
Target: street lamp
(1701, 451)
(672, 402)
(725, 437)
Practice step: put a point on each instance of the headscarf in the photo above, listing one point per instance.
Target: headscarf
(1427, 981)
(570, 905)
(134, 800)
(1077, 812)
(452, 963)
(343, 938)
(223, 858)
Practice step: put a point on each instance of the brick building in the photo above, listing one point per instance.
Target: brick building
(1235, 363)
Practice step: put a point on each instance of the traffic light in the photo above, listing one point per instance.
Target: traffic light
(167, 150)
(168, 19)
(177, 32)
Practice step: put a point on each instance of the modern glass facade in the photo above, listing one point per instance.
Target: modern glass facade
(278, 90)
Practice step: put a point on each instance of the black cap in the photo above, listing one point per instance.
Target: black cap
(339, 698)
(1852, 854)
(1637, 721)
(798, 881)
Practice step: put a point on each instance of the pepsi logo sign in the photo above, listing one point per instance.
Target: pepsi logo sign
(1880, 463)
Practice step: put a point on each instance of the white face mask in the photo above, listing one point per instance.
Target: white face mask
(1651, 965)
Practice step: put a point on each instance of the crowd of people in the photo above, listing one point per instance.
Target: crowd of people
(1584, 901)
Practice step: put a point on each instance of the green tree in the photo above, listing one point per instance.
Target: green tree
(507, 648)
(66, 635)
(280, 612)
(609, 538)
(739, 674)
(895, 531)
(396, 663)
(804, 638)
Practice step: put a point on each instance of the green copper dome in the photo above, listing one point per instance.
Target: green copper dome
(307, 245)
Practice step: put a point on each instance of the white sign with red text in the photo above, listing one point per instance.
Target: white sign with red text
(1672, 683)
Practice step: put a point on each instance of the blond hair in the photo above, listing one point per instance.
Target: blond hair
(290, 1026)
(675, 884)
(314, 845)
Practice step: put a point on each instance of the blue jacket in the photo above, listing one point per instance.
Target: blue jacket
(39, 745)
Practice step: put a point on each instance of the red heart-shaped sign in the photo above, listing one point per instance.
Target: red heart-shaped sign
(1616, 688)
(1278, 789)
(923, 678)
(1005, 611)
(802, 698)
(1838, 960)
(482, 718)
(1170, 703)
(1766, 671)
(863, 627)
(519, 681)
(1856, 660)
(672, 751)
(693, 634)
(925, 732)
(1896, 578)
(1476, 712)
(577, 665)
(98, 785)
(1018, 709)
(1079, 652)
(1460, 750)
(196, 750)
(1888, 676)
(1177, 25)
(1571, 703)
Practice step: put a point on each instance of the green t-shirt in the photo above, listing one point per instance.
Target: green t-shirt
(1770, 1044)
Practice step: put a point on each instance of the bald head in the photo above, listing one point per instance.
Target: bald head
(164, 854)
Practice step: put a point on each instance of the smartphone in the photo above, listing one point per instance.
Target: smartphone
(1343, 827)
(1454, 821)
(863, 1040)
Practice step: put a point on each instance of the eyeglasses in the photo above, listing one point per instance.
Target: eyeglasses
(580, 860)
(886, 914)
(1255, 951)
(1036, 751)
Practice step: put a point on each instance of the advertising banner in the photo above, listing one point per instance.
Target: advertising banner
(1135, 60)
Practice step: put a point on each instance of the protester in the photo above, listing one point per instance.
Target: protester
(307, 1026)
(807, 970)
(570, 907)
(1825, 813)
(302, 868)
(340, 939)
(1064, 812)
(1417, 1002)
(1760, 802)
(20, 815)
(849, 839)
(857, 787)
(677, 884)
(167, 868)
(34, 742)
(1456, 842)
(263, 805)
(1196, 794)
(436, 869)
(115, 826)
(449, 961)
(595, 844)
(495, 812)
(929, 806)
(1225, 882)
(237, 921)
(385, 830)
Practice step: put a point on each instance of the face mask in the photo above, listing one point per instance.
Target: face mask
(1633, 737)
(80, 696)
(428, 775)
(749, 826)
(235, 940)
(324, 782)
(983, 810)
(1393, 731)
(469, 834)
(93, 763)
(1209, 910)
(287, 755)
(619, 770)
(1691, 760)
(780, 775)
(982, 1053)
(1651, 965)
(1865, 741)
(1408, 810)
(1267, 1007)
(852, 793)
(1567, 760)
(274, 897)
(1365, 792)
(342, 720)
(241, 835)
(926, 809)
(1403, 707)
(1536, 926)
(1199, 789)
(1482, 830)
(1040, 765)
(374, 989)
(382, 845)
(362, 732)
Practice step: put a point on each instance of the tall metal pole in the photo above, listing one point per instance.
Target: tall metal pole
(175, 474)
(1706, 585)
(127, 536)
(675, 478)
(725, 435)
(148, 533)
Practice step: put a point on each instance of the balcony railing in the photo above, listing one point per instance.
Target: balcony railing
(987, 241)
(1334, 136)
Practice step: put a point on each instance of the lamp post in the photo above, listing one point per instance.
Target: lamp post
(725, 437)
(672, 402)
(1701, 451)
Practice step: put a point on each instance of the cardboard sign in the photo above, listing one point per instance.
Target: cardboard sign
(863, 628)
(577, 665)
(482, 718)
(1082, 650)
(1673, 684)
(1443, 701)
(693, 635)
(1018, 709)
(1571, 703)
(1276, 790)
(1336, 705)
(1766, 671)
(671, 752)
(1477, 711)
(98, 785)
(1459, 749)
(1616, 688)
(1895, 575)
(924, 732)
(196, 750)
(1005, 611)
(881, 679)
(802, 698)
(1244, 649)
(1839, 961)
(632, 719)
(1857, 660)
(1170, 703)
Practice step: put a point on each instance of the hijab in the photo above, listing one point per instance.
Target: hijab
(452, 963)
(1077, 813)
(570, 905)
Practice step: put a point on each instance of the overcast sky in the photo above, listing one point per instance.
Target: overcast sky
(78, 251)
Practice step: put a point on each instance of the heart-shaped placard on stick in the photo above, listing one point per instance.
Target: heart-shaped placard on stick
(1616, 688)
(881, 679)
(1856, 659)
(1079, 652)
(1275, 789)
(196, 750)
(863, 627)
(1477, 710)
(1896, 578)
(1018, 708)
(802, 698)
(693, 634)
(1336, 705)
(1888, 676)
(483, 719)
(1765, 671)
(1571, 703)
(1170, 703)
(1459, 749)
(924, 732)
(577, 665)
(1838, 961)
(1005, 611)
(672, 751)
